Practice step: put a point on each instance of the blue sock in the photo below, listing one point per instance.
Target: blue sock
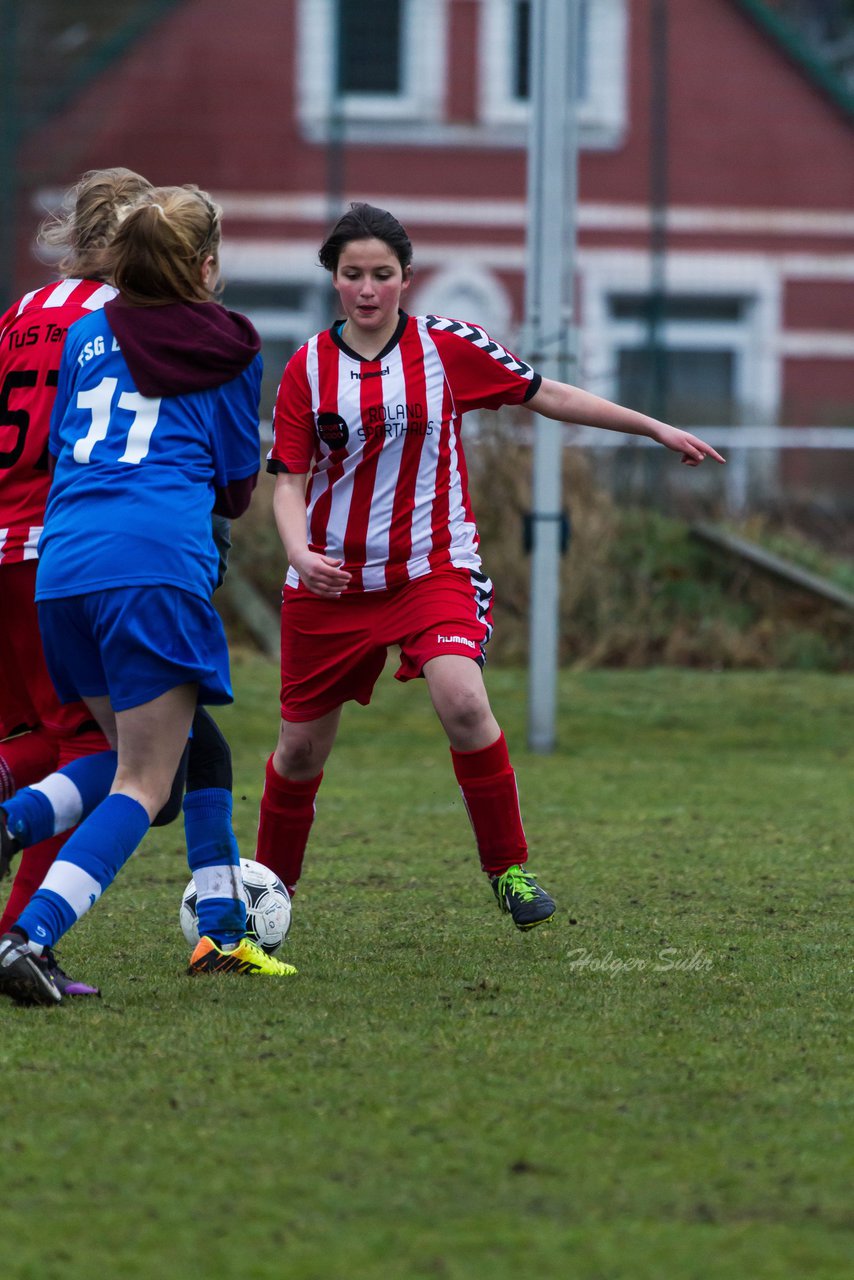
(87, 864)
(60, 800)
(214, 860)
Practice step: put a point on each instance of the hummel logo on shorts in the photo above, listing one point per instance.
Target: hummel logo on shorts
(456, 640)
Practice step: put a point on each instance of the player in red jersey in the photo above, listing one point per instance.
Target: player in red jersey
(373, 509)
(37, 733)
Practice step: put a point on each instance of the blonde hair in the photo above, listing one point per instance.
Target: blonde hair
(91, 213)
(158, 252)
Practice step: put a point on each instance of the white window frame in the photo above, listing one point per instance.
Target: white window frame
(253, 262)
(447, 292)
(754, 339)
(602, 114)
(423, 70)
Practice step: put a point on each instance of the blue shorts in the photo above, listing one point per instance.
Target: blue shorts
(134, 643)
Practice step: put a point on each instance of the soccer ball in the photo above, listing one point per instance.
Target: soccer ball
(268, 907)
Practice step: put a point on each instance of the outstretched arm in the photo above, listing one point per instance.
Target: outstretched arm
(566, 403)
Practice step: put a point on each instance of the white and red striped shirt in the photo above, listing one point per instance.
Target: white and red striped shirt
(32, 333)
(388, 491)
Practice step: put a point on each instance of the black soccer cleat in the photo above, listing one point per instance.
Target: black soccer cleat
(22, 978)
(9, 846)
(65, 984)
(518, 893)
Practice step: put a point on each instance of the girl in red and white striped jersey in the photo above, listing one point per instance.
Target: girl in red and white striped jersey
(372, 505)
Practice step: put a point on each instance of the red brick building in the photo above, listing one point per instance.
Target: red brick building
(699, 118)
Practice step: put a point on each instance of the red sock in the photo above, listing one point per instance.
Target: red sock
(488, 784)
(32, 869)
(26, 759)
(287, 813)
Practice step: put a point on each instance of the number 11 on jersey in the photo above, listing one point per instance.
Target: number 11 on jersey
(99, 402)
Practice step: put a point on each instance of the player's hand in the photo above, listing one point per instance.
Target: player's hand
(692, 448)
(322, 575)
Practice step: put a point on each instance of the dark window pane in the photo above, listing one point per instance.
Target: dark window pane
(698, 307)
(254, 295)
(522, 47)
(369, 46)
(522, 50)
(698, 386)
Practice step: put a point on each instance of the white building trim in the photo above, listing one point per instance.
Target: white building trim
(467, 291)
(830, 344)
(602, 109)
(422, 96)
(592, 216)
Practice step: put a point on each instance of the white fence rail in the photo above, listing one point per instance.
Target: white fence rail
(735, 443)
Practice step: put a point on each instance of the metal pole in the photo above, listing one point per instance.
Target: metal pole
(552, 192)
(335, 142)
(658, 194)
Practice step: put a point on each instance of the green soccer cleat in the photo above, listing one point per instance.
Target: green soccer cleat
(247, 957)
(518, 893)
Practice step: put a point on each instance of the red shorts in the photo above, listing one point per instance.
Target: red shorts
(334, 650)
(27, 696)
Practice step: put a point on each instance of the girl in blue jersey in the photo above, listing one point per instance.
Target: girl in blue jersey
(44, 735)
(155, 425)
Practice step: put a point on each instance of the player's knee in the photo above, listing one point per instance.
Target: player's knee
(467, 715)
(160, 798)
(297, 757)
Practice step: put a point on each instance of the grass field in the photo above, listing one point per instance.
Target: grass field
(656, 1085)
